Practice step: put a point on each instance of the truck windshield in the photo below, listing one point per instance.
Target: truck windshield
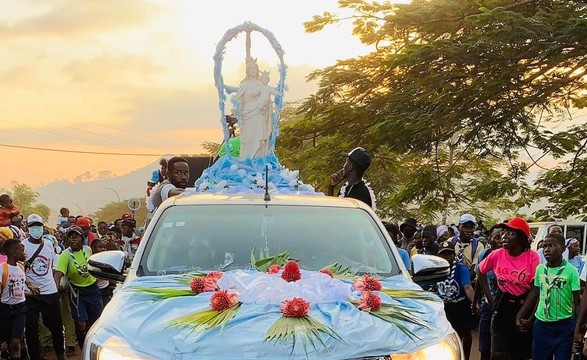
(222, 237)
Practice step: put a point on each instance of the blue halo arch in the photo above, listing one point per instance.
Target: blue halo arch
(223, 90)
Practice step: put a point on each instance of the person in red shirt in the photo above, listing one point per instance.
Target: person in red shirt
(9, 213)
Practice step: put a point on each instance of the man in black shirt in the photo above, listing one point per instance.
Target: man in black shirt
(357, 162)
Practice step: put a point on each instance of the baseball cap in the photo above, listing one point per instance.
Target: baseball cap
(126, 216)
(360, 157)
(34, 218)
(75, 229)
(445, 246)
(516, 223)
(465, 218)
(83, 222)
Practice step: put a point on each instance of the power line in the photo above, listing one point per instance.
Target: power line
(70, 136)
(125, 131)
(75, 151)
(80, 131)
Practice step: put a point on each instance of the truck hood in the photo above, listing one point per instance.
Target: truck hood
(144, 322)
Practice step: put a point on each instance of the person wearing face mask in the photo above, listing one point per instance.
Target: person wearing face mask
(39, 271)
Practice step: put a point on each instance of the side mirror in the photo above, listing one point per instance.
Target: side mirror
(429, 269)
(108, 265)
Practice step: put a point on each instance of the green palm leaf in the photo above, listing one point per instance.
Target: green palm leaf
(339, 270)
(266, 260)
(186, 279)
(398, 316)
(307, 328)
(163, 294)
(205, 320)
(411, 294)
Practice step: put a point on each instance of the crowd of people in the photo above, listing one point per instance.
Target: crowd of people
(526, 304)
(49, 299)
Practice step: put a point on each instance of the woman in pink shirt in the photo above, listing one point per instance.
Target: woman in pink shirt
(514, 266)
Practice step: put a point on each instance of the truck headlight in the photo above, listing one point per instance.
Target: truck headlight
(113, 349)
(447, 349)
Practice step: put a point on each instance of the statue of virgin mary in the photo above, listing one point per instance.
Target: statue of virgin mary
(255, 128)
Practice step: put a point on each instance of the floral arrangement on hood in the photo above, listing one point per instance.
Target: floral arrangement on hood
(292, 292)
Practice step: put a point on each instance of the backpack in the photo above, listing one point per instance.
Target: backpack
(5, 271)
(474, 244)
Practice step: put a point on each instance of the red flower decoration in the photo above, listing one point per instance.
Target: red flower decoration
(203, 284)
(296, 307)
(327, 272)
(367, 283)
(221, 300)
(291, 272)
(216, 275)
(274, 269)
(370, 301)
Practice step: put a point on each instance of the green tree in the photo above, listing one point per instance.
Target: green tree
(26, 199)
(114, 210)
(452, 100)
(211, 147)
(41, 209)
(566, 188)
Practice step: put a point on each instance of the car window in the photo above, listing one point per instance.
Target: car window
(577, 232)
(212, 237)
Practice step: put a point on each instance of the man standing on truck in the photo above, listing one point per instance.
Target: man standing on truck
(176, 180)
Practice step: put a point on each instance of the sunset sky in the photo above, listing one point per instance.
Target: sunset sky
(131, 76)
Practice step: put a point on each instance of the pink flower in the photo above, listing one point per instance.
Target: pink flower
(221, 300)
(370, 301)
(327, 272)
(291, 272)
(274, 269)
(216, 275)
(296, 307)
(367, 283)
(203, 284)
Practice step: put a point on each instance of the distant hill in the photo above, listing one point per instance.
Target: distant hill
(91, 196)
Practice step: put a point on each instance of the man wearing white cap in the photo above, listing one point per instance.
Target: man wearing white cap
(39, 271)
(467, 248)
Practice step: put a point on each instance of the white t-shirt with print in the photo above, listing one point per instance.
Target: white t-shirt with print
(15, 286)
(41, 271)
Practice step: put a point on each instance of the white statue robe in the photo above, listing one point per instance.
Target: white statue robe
(254, 132)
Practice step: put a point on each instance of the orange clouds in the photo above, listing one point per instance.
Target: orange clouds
(77, 18)
(112, 68)
(133, 76)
